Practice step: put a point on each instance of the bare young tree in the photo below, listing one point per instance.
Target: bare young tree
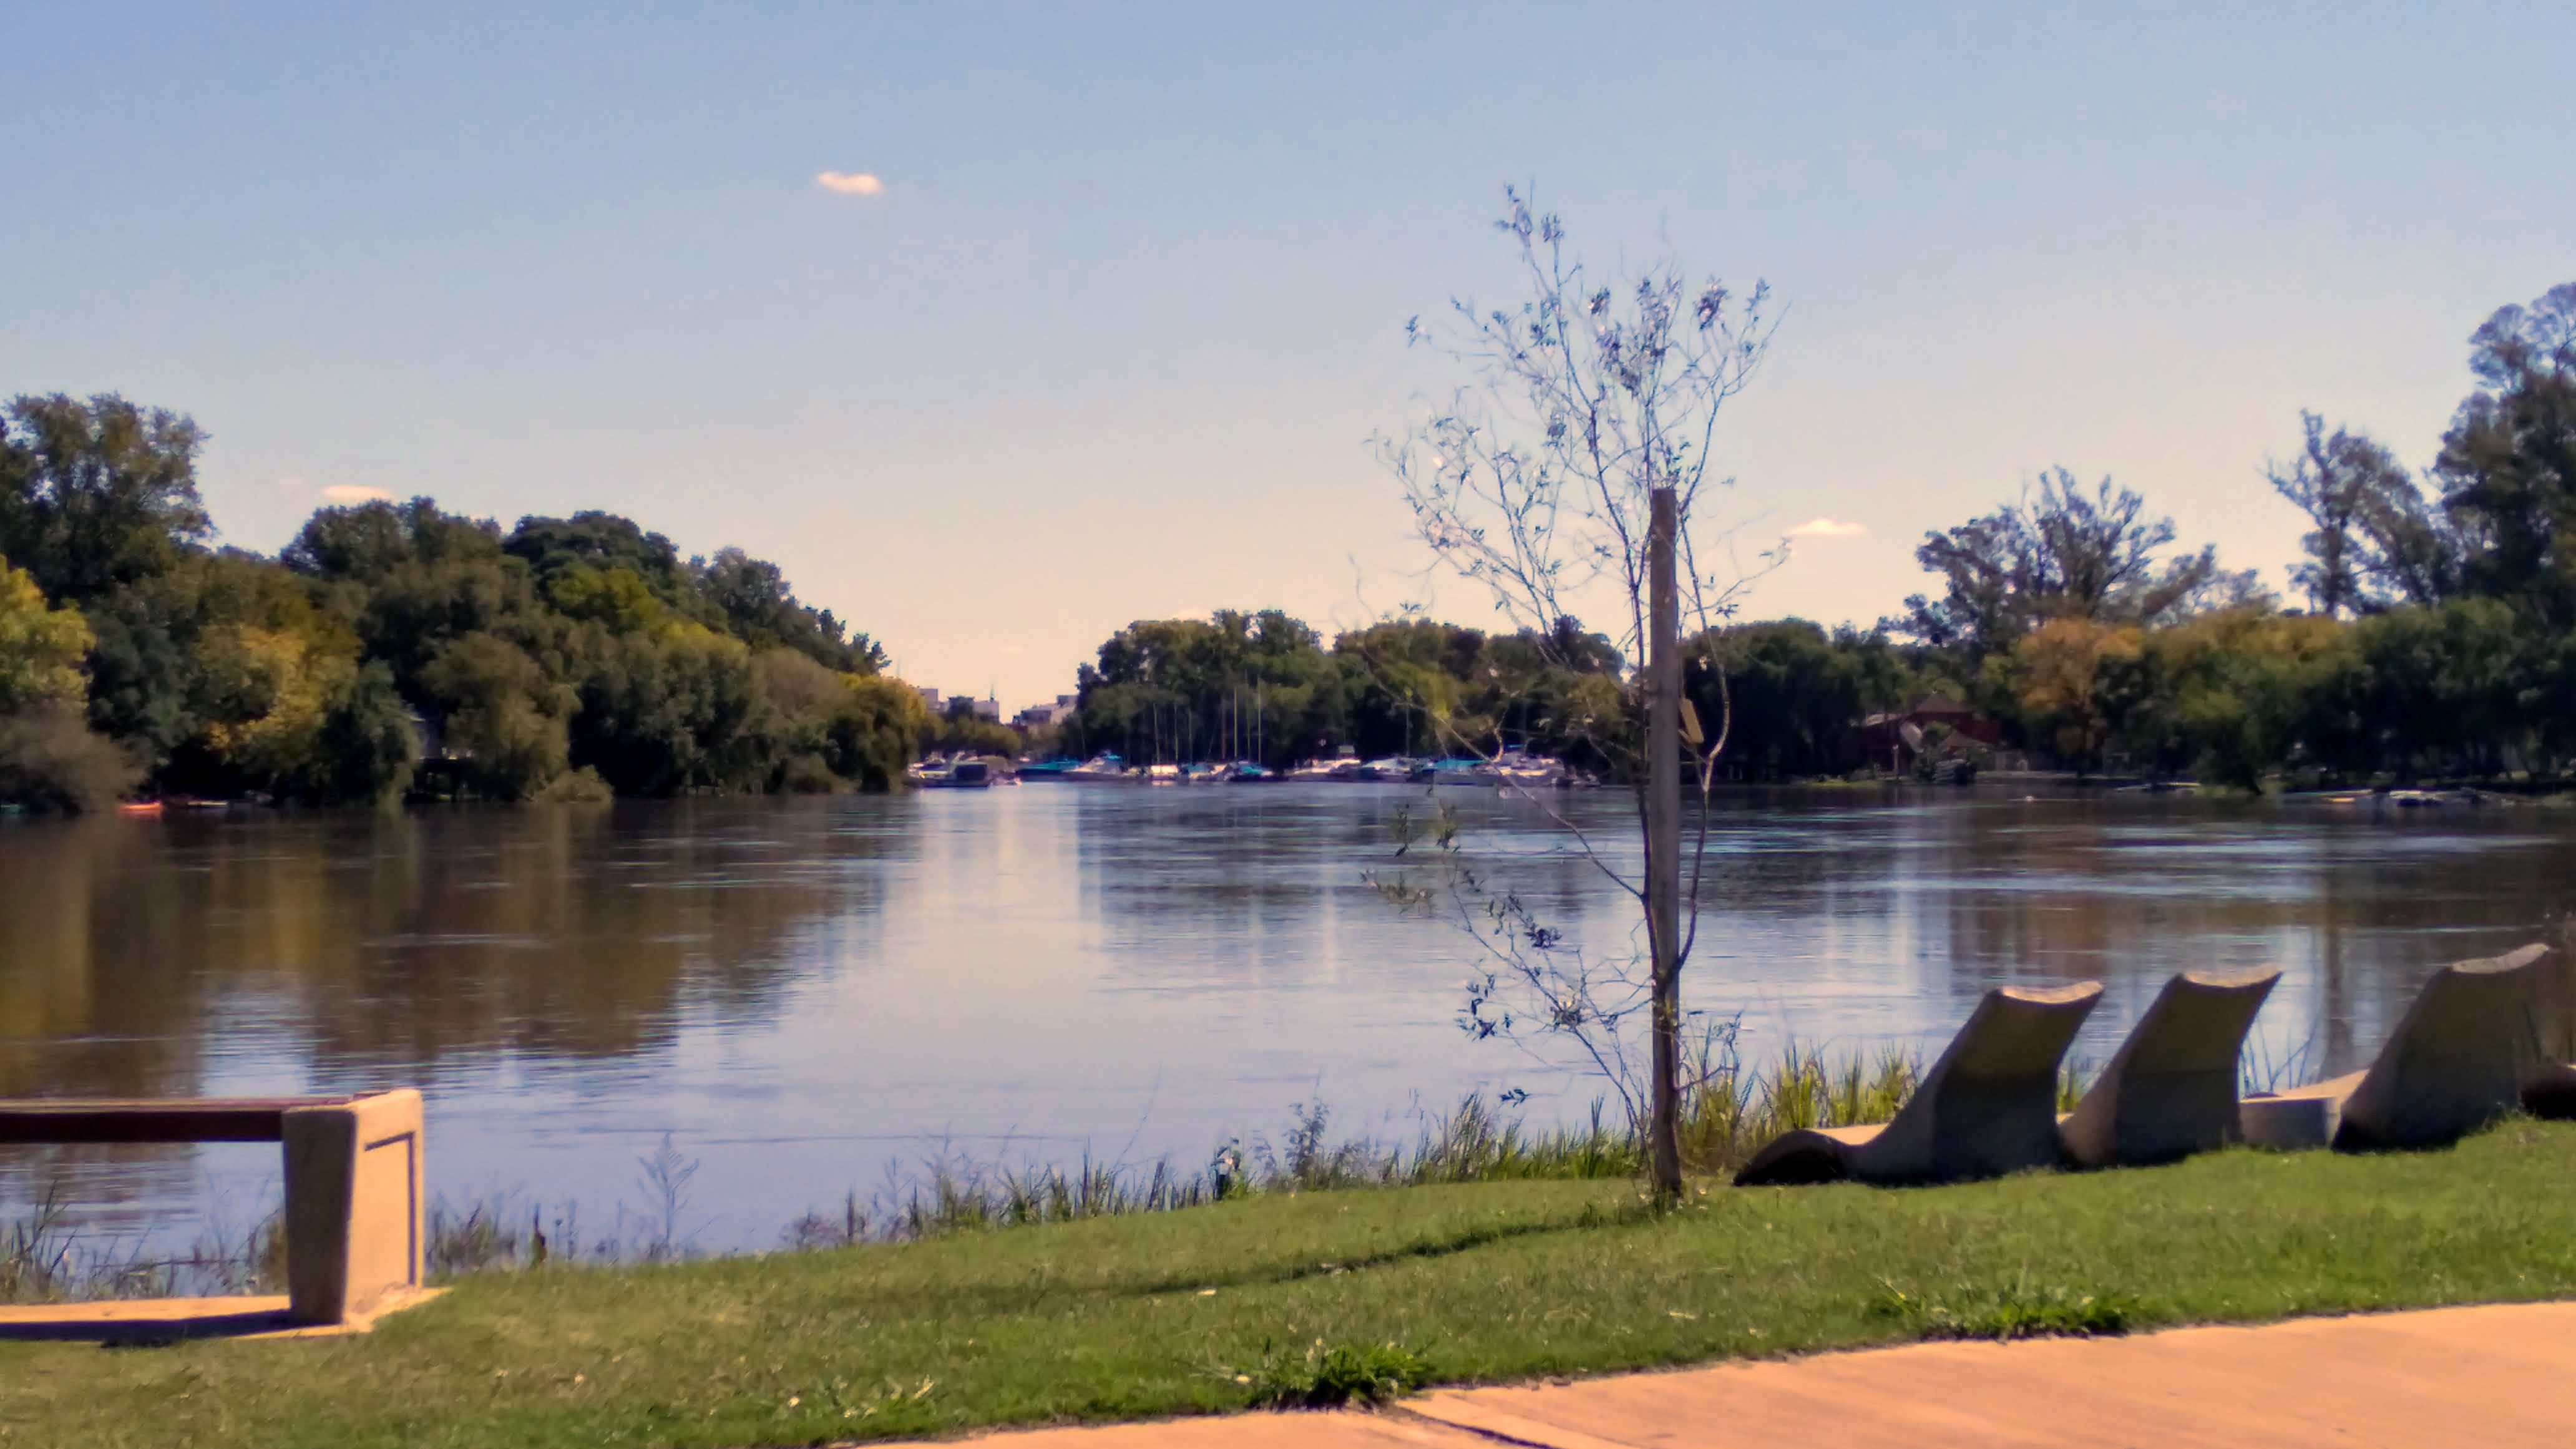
(1575, 465)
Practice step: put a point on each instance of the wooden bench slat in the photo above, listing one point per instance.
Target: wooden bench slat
(67, 1120)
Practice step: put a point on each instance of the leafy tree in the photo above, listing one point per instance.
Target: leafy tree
(751, 599)
(617, 599)
(51, 760)
(2061, 554)
(41, 648)
(2508, 463)
(368, 747)
(2444, 689)
(2377, 541)
(48, 757)
(2232, 693)
(410, 580)
(98, 494)
(601, 542)
(868, 734)
(682, 711)
(1192, 689)
(504, 715)
(1793, 693)
(370, 541)
(963, 731)
(2058, 672)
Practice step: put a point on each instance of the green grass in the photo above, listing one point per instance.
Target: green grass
(1301, 1297)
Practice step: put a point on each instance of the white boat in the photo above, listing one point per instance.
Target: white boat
(1512, 768)
(1530, 772)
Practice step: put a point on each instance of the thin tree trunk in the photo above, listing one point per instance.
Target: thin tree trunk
(1664, 838)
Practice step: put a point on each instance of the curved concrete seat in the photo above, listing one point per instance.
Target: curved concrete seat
(2462, 1056)
(2551, 1089)
(2170, 1090)
(1987, 1107)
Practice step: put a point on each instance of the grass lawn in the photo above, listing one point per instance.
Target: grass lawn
(1205, 1309)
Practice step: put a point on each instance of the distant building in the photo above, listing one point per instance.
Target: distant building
(1042, 716)
(1896, 738)
(987, 709)
(929, 696)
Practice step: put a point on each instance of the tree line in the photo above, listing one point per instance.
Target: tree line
(394, 648)
(2436, 635)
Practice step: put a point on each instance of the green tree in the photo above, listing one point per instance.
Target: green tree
(1193, 689)
(2377, 541)
(752, 601)
(97, 495)
(503, 714)
(868, 735)
(681, 711)
(2508, 463)
(2061, 553)
(1792, 693)
(368, 746)
(41, 648)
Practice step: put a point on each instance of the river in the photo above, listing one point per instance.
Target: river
(805, 995)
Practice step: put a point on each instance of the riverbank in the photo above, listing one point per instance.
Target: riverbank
(1228, 1306)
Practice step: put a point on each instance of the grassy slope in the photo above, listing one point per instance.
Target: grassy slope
(1110, 1317)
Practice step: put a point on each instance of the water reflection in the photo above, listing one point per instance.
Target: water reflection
(799, 990)
(397, 945)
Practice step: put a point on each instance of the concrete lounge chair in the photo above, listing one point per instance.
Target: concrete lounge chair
(2461, 1057)
(2170, 1090)
(2551, 1090)
(1987, 1107)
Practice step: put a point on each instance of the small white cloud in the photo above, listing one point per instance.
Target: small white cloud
(1014, 649)
(850, 183)
(354, 493)
(1828, 528)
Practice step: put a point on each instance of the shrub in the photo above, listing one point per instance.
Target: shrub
(51, 760)
(575, 787)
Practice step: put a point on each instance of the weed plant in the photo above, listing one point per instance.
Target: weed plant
(2016, 1309)
(1330, 1377)
(45, 1259)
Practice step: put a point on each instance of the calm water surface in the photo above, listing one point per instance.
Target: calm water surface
(802, 992)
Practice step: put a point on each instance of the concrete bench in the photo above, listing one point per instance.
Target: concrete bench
(2466, 1052)
(353, 1178)
(1987, 1107)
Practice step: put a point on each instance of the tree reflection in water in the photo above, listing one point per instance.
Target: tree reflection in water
(801, 990)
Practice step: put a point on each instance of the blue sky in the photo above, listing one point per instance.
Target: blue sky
(1112, 338)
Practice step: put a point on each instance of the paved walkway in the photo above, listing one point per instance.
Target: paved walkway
(2493, 1377)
